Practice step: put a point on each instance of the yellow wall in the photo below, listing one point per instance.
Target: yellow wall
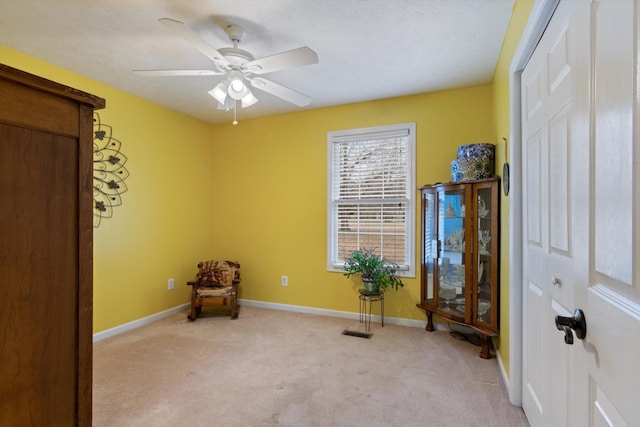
(272, 178)
(501, 94)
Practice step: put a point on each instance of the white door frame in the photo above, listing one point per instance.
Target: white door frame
(538, 20)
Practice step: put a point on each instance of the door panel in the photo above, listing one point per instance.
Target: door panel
(610, 295)
(612, 352)
(605, 413)
(613, 155)
(613, 104)
(559, 190)
(534, 394)
(548, 257)
(534, 355)
(557, 369)
(534, 205)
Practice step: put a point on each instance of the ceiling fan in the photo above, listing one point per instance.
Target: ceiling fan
(239, 68)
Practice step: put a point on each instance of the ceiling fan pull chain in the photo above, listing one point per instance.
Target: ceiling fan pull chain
(235, 108)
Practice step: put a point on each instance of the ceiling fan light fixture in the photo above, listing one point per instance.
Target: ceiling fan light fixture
(237, 85)
(248, 100)
(227, 106)
(237, 89)
(220, 92)
(237, 94)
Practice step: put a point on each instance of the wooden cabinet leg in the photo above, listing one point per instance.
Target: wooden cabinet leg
(429, 326)
(485, 350)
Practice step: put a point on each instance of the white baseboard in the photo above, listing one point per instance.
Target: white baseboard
(137, 323)
(503, 374)
(331, 313)
(400, 321)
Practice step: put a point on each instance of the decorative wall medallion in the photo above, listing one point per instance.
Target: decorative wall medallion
(109, 172)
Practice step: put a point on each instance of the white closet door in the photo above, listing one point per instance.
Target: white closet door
(580, 228)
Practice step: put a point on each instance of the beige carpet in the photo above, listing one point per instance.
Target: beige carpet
(276, 368)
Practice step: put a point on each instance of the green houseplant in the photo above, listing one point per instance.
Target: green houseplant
(376, 271)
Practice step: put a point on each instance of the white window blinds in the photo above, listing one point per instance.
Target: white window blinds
(371, 193)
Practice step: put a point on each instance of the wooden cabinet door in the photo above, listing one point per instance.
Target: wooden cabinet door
(38, 219)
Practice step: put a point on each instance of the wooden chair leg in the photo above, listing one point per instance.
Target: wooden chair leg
(194, 310)
(234, 306)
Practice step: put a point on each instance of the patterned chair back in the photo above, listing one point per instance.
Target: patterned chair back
(218, 273)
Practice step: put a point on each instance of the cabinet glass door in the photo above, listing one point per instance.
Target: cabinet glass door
(451, 260)
(486, 246)
(429, 243)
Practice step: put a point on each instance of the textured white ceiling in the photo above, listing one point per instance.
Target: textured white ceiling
(368, 49)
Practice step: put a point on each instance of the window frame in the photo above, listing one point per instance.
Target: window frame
(334, 137)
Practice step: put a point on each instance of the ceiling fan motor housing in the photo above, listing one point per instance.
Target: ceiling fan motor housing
(237, 57)
(235, 32)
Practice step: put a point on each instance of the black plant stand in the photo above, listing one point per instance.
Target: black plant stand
(370, 297)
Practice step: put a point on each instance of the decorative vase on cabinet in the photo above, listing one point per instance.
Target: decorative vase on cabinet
(460, 260)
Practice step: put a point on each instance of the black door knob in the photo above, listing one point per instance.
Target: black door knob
(578, 323)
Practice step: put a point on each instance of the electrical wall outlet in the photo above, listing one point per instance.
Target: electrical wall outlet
(285, 281)
(170, 284)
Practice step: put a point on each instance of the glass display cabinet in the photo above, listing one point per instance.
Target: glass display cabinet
(460, 260)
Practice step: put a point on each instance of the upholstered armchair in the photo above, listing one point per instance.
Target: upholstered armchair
(216, 284)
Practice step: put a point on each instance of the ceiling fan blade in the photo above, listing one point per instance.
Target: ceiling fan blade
(171, 73)
(181, 30)
(280, 91)
(280, 61)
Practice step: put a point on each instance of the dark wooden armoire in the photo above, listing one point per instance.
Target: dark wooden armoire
(46, 251)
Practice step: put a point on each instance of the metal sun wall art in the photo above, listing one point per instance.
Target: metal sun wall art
(109, 172)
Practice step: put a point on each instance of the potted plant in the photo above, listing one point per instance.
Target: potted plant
(376, 271)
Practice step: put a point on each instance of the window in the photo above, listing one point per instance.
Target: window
(371, 194)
